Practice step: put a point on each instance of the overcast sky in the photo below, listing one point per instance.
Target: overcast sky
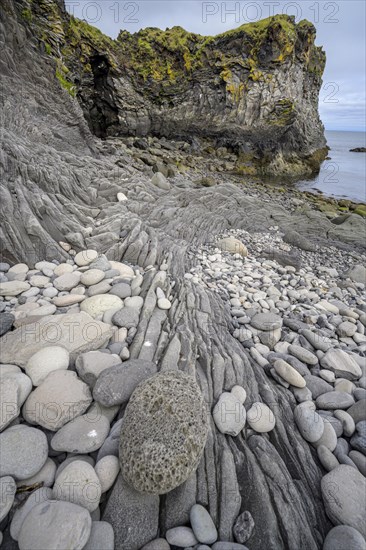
(340, 30)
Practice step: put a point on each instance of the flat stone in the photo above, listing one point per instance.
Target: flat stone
(360, 460)
(261, 418)
(266, 321)
(240, 393)
(60, 398)
(341, 363)
(181, 537)
(63, 268)
(81, 435)
(9, 410)
(317, 385)
(101, 536)
(68, 300)
(24, 451)
(85, 257)
(331, 308)
(92, 277)
(202, 525)
(334, 400)
(78, 483)
(288, 373)
(74, 332)
(125, 271)
(233, 245)
(6, 322)
(7, 493)
(327, 458)
(303, 354)
(344, 496)
(36, 497)
(39, 281)
(122, 290)
(229, 415)
(358, 411)
(13, 288)
(127, 317)
(46, 360)
(67, 281)
(44, 310)
(309, 423)
(45, 476)
(135, 302)
(99, 304)
(342, 537)
(115, 385)
(347, 422)
(302, 394)
(346, 329)
(328, 437)
(49, 292)
(343, 385)
(44, 527)
(163, 433)
(327, 375)
(91, 364)
(164, 303)
(107, 469)
(85, 458)
(100, 288)
(316, 340)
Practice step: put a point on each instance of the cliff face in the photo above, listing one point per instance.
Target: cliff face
(254, 89)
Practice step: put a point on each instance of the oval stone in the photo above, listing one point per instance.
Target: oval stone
(55, 524)
(344, 496)
(24, 451)
(163, 433)
(203, 527)
(288, 373)
(309, 422)
(261, 418)
(100, 303)
(78, 483)
(229, 414)
(334, 400)
(343, 536)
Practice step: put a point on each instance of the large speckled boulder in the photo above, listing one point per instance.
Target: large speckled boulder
(163, 433)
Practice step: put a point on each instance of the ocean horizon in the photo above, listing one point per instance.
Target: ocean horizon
(343, 174)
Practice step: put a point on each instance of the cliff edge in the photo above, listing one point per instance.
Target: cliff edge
(253, 89)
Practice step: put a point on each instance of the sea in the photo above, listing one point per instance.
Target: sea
(344, 174)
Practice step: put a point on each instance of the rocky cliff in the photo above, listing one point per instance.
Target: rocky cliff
(253, 89)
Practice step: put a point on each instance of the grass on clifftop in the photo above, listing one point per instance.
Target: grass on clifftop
(168, 60)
